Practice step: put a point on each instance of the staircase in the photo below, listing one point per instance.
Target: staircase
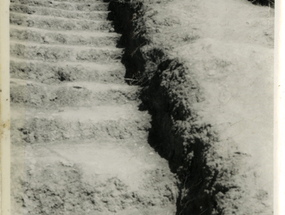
(79, 142)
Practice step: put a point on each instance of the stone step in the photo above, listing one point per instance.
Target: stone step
(72, 6)
(54, 23)
(117, 122)
(43, 11)
(70, 94)
(66, 71)
(58, 53)
(62, 37)
(94, 177)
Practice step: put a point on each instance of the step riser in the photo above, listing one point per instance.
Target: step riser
(65, 5)
(72, 193)
(44, 130)
(58, 54)
(51, 23)
(83, 1)
(58, 13)
(55, 186)
(58, 38)
(53, 73)
(66, 96)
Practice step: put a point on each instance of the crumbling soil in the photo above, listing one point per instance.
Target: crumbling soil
(207, 74)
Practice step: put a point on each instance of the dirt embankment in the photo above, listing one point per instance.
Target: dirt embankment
(215, 177)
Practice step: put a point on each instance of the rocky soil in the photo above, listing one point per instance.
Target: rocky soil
(79, 142)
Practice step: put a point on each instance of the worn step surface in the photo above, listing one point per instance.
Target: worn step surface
(54, 23)
(71, 94)
(79, 140)
(119, 122)
(44, 72)
(72, 6)
(26, 9)
(84, 1)
(107, 177)
(63, 37)
(56, 53)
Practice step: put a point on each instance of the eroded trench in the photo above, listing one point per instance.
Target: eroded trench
(207, 179)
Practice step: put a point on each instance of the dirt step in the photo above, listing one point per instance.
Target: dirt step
(66, 71)
(54, 23)
(96, 6)
(83, 1)
(71, 94)
(118, 122)
(43, 11)
(100, 177)
(57, 53)
(62, 37)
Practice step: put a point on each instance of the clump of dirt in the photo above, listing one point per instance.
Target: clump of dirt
(216, 177)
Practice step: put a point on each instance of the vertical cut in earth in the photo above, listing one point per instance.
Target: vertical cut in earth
(212, 180)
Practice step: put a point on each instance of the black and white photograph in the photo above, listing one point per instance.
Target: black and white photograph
(141, 107)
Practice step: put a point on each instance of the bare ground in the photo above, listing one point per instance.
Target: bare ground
(73, 155)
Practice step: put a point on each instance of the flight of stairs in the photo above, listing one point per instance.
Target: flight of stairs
(79, 142)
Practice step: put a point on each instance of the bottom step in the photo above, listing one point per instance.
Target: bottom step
(92, 177)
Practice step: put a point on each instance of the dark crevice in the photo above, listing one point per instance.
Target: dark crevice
(269, 3)
(124, 15)
(168, 94)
